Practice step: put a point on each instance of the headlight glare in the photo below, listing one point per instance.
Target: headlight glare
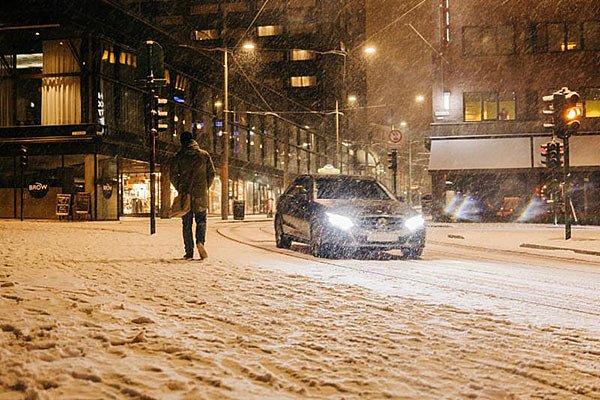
(415, 222)
(339, 221)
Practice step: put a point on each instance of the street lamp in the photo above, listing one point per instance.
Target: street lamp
(370, 50)
(248, 46)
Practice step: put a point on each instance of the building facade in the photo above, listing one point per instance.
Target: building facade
(71, 97)
(494, 65)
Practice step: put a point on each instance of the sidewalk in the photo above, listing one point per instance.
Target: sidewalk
(548, 240)
(214, 218)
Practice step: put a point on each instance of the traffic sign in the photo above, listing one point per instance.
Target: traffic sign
(395, 136)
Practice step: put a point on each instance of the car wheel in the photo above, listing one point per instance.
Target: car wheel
(317, 247)
(413, 254)
(282, 241)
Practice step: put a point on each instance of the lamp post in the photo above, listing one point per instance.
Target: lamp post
(225, 156)
(225, 133)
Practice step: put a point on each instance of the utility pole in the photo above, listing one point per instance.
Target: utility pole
(338, 157)
(225, 135)
(409, 192)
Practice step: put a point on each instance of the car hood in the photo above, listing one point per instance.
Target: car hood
(363, 208)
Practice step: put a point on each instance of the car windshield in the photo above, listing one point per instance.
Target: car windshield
(349, 188)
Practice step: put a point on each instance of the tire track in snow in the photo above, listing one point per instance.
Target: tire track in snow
(244, 241)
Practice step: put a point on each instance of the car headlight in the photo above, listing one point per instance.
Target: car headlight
(339, 221)
(415, 222)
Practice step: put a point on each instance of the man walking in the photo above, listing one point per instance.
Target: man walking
(192, 172)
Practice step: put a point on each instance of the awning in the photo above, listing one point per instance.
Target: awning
(507, 152)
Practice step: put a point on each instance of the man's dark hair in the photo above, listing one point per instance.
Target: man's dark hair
(186, 137)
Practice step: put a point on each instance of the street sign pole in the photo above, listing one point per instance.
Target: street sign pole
(152, 70)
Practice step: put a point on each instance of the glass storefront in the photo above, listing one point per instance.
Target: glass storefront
(47, 176)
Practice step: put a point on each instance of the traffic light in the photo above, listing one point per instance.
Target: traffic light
(393, 159)
(23, 152)
(566, 112)
(571, 112)
(552, 153)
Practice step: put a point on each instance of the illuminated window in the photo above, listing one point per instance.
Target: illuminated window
(562, 36)
(591, 100)
(207, 34)
(125, 58)
(269, 30)
(489, 106)
(507, 106)
(301, 55)
(472, 104)
(29, 60)
(303, 81)
(446, 101)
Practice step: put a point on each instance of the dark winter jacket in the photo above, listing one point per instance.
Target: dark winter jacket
(193, 171)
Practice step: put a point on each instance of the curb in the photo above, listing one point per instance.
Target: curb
(542, 247)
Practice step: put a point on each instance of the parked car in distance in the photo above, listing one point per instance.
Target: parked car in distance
(343, 214)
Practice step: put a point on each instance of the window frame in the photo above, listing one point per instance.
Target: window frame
(499, 97)
(467, 52)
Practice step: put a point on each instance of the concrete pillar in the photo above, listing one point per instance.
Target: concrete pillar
(89, 181)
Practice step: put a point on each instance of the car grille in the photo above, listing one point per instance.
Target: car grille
(382, 223)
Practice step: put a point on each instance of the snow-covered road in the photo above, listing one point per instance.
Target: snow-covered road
(103, 310)
(528, 289)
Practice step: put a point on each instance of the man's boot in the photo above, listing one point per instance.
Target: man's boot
(202, 251)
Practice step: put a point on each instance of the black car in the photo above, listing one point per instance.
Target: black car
(337, 213)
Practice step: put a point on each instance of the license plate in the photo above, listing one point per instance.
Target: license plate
(382, 237)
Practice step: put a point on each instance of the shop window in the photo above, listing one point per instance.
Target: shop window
(302, 55)
(303, 81)
(489, 106)
(485, 41)
(591, 100)
(269, 30)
